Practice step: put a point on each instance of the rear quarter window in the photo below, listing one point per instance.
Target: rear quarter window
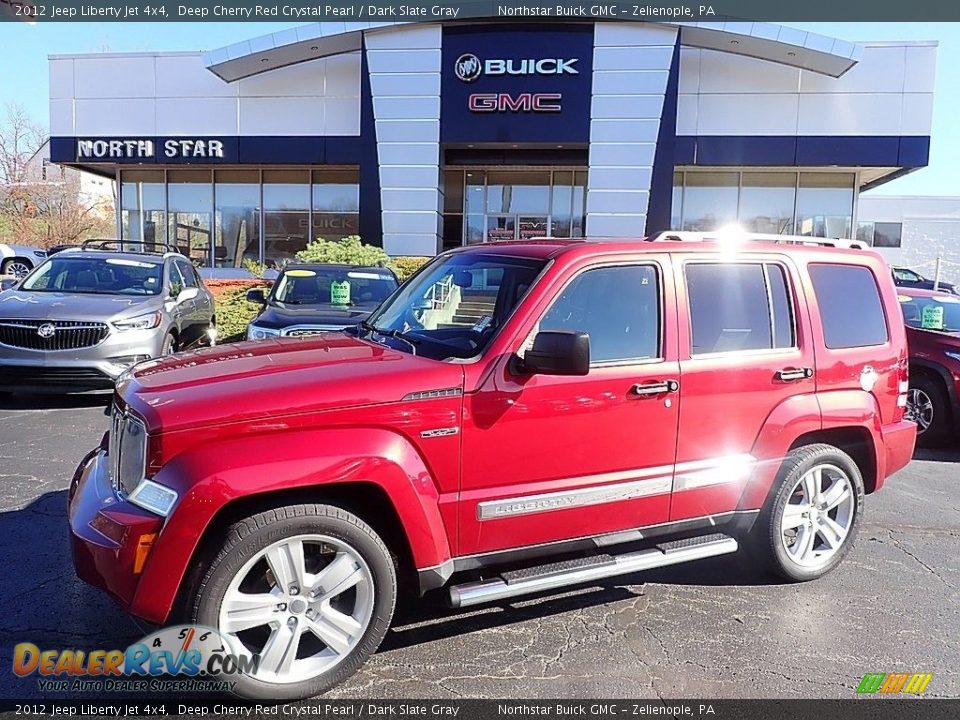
(851, 311)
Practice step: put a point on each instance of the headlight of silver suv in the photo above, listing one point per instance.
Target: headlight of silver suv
(140, 322)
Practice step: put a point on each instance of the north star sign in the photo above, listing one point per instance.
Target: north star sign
(173, 148)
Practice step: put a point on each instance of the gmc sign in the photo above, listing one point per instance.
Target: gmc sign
(521, 102)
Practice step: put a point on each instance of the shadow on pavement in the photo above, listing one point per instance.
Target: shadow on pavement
(937, 454)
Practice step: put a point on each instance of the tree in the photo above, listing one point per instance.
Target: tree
(37, 207)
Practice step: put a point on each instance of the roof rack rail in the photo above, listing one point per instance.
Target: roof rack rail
(138, 246)
(722, 236)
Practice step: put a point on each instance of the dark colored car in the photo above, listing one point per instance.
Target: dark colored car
(310, 299)
(906, 278)
(933, 335)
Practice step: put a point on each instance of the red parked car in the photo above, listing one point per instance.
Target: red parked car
(517, 417)
(933, 335)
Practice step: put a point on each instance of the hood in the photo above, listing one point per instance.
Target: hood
(274, 378)
(280, 315)
(16, 304)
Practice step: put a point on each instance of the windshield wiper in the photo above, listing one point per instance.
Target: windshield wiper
(396, 334)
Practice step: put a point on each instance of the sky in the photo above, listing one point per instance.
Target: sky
(25, 81)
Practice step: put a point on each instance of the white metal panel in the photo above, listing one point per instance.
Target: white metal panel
(423, 222)
(61, 117)
(400, 244)
(722, 72)
(343, 75)
(342, 116)
(186, 76)
(398, 176)
(426, 60)
(405, 84)
(626, 106)
(916, 114)
(619, 200)
(114, 77)
(408, 130)
(407, 153)
(920, 72)
(687, 114)
(849, 114)
(619, 225)
(881, 70)
(635, 130)
(409, 37)
(637, 58)
(304, 80)
(633, 35)
(61, 79)
(409, 108)
(747, 114)
(282, 116)
(630, 82)
(135, 117)
(690, 70)
(410, 199)
(196, 116)
(622, 154)
(609, 178)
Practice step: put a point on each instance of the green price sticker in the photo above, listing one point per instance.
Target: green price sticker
(340, 292)
(932, 318)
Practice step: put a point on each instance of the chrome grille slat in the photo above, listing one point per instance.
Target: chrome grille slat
(68, 334)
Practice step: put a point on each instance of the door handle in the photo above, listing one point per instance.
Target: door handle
(790, 374)
(655, 388)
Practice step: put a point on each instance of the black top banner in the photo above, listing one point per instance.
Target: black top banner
(378, 11)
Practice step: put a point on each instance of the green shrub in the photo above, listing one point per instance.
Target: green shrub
(257, 269)
(407, 266)
(234, 314)
(349, 250)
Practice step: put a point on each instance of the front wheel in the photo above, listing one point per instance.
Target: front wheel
(929, 407)
(309, 590)
(811, 521)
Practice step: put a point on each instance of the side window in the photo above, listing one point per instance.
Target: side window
(188, 274)
(618, 307)
(739, 307)
(176, 280)
(850, 308)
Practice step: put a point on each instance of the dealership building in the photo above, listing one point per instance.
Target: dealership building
(427, 136)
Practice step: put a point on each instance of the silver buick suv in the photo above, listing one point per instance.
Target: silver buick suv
(86, 314)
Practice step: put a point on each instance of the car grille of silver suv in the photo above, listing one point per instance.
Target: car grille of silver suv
(51, 334)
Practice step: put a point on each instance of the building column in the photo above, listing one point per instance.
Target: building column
(404, 65)
(631, 69)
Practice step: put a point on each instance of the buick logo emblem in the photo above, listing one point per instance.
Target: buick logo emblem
(46, 331)
(468, 67)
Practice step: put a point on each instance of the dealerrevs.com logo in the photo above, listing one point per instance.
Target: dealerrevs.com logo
(181, 657)
(468, 67)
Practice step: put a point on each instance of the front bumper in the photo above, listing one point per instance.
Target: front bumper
(106, 532)
(90, 368)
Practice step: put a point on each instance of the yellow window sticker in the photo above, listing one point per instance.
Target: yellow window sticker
(301, 273)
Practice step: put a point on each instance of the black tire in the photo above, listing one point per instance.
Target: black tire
(169, 346)
(941, 424)
(767, 542)
(245, 539)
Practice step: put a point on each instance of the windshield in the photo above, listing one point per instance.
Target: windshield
(76, 273)
(335, 287)
(454, 306)
(940, 312)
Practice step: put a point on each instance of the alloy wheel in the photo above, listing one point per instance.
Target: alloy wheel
(919, 409)
(302, 604)
(18, 269)
(818, 516)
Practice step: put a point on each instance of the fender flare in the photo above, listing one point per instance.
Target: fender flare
(209, 477)
(941, 372)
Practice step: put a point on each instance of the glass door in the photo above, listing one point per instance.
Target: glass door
(501, 227)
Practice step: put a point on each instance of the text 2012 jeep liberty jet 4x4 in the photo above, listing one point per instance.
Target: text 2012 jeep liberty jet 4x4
(516, 417)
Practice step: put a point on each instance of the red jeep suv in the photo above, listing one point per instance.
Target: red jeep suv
(516, 417)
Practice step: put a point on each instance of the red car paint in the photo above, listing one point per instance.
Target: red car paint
(243, 422)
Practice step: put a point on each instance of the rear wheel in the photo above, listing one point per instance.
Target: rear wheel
(309, 589)
(929, 407)
(16, 267)
(812, 518)
(169, 345)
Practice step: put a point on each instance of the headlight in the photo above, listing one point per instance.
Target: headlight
(140, 322)
(954, 355)
(255, 332)
(131, 463)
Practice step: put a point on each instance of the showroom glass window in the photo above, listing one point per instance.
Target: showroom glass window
(286, 214)
(190, 211)
(143, 206)
(766, 202)
(710, 200)
(335, 196)
(237, 217)
(825, 204)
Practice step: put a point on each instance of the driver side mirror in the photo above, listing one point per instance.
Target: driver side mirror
(256, 296)
(558, 352)
(187, 294)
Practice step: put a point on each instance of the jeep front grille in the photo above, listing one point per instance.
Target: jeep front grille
(52, 334)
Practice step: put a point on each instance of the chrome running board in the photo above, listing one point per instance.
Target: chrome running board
(582, 570)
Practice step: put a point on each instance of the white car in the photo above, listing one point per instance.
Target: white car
(18, 260)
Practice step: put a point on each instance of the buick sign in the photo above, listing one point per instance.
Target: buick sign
(469, 67)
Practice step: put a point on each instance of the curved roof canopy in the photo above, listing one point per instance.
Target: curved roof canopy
(765, 41)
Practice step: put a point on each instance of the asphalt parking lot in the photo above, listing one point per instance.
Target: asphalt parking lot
(716, 628)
